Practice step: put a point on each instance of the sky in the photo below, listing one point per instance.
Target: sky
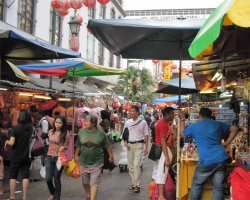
(169, 4)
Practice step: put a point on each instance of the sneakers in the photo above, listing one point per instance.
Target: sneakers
(1, 192)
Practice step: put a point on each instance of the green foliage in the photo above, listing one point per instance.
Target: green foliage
(136, 92)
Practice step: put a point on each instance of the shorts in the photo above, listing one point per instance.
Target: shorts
(160, 170)
(91, 175)
(16, 166)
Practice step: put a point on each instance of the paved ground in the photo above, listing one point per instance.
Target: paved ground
(114, 185)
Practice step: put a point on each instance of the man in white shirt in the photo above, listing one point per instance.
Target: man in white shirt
(137, 145)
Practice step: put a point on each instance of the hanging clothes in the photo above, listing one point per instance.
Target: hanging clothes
(69, 114)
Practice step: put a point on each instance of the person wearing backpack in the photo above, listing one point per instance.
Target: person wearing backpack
(137, 144)
(20, 141)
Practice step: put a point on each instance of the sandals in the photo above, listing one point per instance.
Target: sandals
(132, 187)
(137, 189)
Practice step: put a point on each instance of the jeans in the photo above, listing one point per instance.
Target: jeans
(52, 171)
(217, 172)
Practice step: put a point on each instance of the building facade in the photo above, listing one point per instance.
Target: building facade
(34, 19)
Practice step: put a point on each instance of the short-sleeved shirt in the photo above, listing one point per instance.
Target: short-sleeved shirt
(207, 135)
(54, 143)
(148, 120)
(163, 130)
(20, 149)
(91, 145)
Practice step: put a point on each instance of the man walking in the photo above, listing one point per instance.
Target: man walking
(213, 157)
(137, 141)
(163, 137)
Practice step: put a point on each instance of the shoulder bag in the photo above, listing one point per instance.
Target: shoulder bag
(155, 151)
(36, 145)
(125, 135)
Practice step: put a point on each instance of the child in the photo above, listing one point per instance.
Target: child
(1, 175)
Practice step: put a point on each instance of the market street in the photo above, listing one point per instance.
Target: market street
(114, 185)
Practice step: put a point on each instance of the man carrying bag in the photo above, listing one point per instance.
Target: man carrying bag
(135, 138)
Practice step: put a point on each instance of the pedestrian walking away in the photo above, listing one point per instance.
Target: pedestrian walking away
(90, 144)
(59, 141)
(20, 141)
(213, 157)
(137, 145)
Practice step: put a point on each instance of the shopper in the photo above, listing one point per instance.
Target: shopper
(105, 121)
(90, 142)
(207, 134)
(59, 140)
(152, 127)
(19, 141)
(163, 137)
(137, 141)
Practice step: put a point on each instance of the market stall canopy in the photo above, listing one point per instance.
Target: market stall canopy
(15, 46)
(172, 86)
(169, 99)
(70, 69)
(11, 73)
(146, 39)
(203, 72)
(225, 33)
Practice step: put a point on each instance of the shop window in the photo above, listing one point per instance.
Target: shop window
(90, 47)
(111, 59)
(1, 10)
(118, 60)
(26, 15)
(100, 54)
(91, 12)
(55, 28)
(112, 13)
(102, 12)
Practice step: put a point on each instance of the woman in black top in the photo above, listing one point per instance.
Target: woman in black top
(152, 127)
(20, 142)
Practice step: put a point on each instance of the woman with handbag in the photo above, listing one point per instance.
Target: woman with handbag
(58, 140)
(20, 142)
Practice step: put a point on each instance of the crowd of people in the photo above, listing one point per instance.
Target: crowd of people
(93, 148)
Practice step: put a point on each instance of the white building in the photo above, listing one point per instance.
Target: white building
(33, 19)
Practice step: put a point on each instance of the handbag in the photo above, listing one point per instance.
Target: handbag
(36, 145)
(155, 151)
(125, 135)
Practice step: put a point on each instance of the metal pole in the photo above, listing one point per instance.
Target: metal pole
(127, 81)
(178, 128)
(52, 41)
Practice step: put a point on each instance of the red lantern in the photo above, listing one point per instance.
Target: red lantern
(55, 4)
(103, 2)
(127, 106)
(89, 3)
(76, 4)
(79, 19)
(138, 81)
(173, 66)
(155, 61)
(74, 43)
(164, 63)
(63, 12)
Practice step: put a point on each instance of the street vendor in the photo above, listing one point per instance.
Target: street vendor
(213, 157)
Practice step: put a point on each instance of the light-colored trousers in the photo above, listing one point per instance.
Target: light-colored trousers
(134, 156)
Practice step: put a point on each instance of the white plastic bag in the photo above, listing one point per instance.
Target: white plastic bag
(59, 164)
(37, 163)
(43, 172)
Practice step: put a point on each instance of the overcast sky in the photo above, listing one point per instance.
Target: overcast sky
(169, 4)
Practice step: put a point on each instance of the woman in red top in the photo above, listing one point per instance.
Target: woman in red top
(59, 140)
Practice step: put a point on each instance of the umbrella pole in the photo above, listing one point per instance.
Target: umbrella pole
(73, 121)
(178, 127)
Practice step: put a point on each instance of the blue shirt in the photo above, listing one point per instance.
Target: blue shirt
(207, 135)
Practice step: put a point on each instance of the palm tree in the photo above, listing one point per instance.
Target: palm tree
(136, 92)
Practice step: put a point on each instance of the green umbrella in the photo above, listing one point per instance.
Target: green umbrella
(224, 32)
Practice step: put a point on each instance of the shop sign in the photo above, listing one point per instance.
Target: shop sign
(162, 17)
(167, 71)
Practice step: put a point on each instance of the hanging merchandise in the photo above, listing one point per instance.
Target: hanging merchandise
(246, 85)
(127, 106)
(89, 3)
(240, 88)
(167, 69)
(48, 105)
